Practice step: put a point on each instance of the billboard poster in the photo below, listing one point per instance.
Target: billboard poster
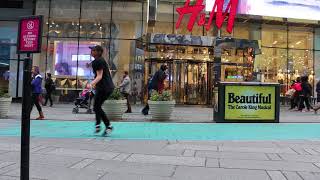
(250, 102)
(29, 35)
(296, 9)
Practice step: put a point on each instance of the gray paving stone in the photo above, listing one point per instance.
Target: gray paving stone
(274, 157)
(269, 165)
(311, 151)
(232, 155)
(200, 142)
(9, 168)
(5, 163)
(171, 160)
(59, 173)
(42, 159)
(192, 147)
(257, 149)
(122, 157)
(124, 176)
(190, 153)
(300, 158)
(214, 163)
(9, 177)
(261, 144)
(276, 175)
(309, 175)
(83, 153)
(300, 151)
(147, 149)
(291, 175)
(132, 168)
(199, 173)
(82, 164)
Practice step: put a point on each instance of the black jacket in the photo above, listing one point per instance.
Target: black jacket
(318, 87)
(306, 89)
(49, 85)
(158, 78)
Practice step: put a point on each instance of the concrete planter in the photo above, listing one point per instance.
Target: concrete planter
(161, 110)
(4, 106)
(115, 109)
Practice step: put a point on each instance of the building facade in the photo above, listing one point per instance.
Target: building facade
(288, 45)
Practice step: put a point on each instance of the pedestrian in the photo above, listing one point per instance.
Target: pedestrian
(318, 91)
(50, 87)
(36, 91)
(156, 83)
(125, 89)
(306, 94)
(134, 92)
(103, 86)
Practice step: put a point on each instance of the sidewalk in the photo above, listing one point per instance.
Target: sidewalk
(195, 114)
(104, 159)
(66, 148)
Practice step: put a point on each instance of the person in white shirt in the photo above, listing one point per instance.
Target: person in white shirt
(125, 88)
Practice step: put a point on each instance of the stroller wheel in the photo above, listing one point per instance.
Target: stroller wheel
(89, 111)
(75, 111)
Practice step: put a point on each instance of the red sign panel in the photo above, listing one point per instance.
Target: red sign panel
(217, 12)
(29, 37)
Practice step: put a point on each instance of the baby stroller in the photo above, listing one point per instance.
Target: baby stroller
(84, 101)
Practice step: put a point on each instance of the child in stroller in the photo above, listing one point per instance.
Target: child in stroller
(84, 100)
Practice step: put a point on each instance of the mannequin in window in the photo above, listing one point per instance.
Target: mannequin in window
(280, 76)
(311, 77)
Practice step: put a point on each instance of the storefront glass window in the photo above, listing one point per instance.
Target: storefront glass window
(127, 19)
(274, 36)
(300, 38)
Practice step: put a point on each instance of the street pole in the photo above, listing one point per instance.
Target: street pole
(25, 119)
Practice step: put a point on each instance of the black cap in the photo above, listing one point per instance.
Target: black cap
(96, 48)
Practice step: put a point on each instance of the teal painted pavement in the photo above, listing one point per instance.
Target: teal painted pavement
(171, 131)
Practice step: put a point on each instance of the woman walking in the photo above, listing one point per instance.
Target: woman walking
(36, 91)
(306, 94)
(103, 86)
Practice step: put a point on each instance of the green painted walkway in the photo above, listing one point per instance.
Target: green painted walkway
(171, 131)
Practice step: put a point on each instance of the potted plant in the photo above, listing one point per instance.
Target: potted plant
(161, 105)
(5, 102)
(115, 105)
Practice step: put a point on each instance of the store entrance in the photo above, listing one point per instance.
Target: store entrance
(187, 79)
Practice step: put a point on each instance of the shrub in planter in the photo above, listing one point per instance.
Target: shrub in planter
(5, 102)
(115, 106)
(161, 105)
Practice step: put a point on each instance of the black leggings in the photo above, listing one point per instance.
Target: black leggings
(305, 100)
(48, 97)
(36, 101)
(99, 99)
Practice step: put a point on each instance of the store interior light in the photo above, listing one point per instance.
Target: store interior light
(275, 42)
(299, 42)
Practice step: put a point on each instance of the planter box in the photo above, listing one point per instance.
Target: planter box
(161, 110)
(4, 106)
(115, 109)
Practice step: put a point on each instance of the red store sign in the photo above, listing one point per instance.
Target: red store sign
(196, 14)
(29, 35)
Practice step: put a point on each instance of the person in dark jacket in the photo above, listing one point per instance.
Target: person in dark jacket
(156, 82)
(49, 85)
(318, 91)
(306, 93)
(36, 91)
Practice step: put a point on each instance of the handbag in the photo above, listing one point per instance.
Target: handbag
(290, 92)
